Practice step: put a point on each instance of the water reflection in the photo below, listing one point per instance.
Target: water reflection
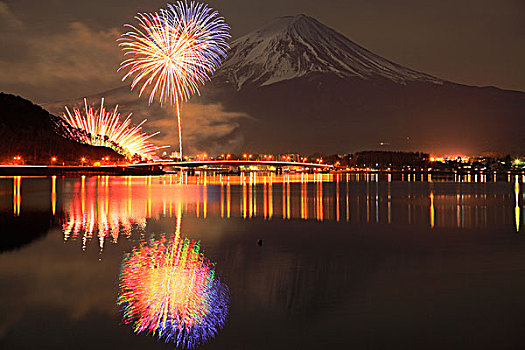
(53, 194)
(517, 207)
(88, 213)
(105, 207)
(17, 195)
(385, 247)
(170, 290)
(431, 209)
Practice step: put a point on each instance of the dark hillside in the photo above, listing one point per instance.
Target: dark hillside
(28, 131)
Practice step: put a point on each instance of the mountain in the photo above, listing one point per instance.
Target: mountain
(308, 88)
(296, 85)
(294, 47)
(29, 131)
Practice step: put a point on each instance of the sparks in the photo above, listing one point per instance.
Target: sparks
(173, 52)
(104, 128)
(170, 290)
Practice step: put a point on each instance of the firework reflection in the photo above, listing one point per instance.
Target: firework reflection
(170, 290)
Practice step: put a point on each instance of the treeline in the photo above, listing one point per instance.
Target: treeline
(379, 159)
(388, 159)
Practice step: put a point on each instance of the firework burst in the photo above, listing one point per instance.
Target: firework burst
(173, 52)
(170, 290)
(104, 128)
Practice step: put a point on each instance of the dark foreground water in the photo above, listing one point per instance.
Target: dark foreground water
(291, 262)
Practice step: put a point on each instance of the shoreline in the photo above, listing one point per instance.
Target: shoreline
(43, 170)
(123, 170)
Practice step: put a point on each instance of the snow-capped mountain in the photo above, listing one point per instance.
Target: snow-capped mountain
(295, 46)
(308, 88)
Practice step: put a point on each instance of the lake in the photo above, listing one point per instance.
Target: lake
(294, 261)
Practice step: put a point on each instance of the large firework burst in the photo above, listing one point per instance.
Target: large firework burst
(170, 290)
(104, 128)
(172, 52)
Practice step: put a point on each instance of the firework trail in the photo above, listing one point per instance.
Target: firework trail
(104, 128)
(173, 52)
(170, 290)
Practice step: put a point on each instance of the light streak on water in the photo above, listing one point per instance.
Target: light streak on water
(103, 209)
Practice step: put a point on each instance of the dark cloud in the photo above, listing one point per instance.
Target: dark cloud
(48, 66)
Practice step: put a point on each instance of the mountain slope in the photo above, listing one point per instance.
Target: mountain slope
(309, 88)
(291, 47)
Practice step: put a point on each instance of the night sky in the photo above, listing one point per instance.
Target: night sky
(60, 49)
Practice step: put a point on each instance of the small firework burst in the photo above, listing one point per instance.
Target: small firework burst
(104, 128)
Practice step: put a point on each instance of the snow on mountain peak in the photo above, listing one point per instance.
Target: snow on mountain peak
(294, 46)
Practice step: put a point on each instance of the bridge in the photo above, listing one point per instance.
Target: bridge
(236, 163)
(153, 168)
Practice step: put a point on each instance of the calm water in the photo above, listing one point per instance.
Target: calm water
(300, 261)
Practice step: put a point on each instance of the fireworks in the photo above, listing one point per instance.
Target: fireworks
(170, 290)
(173, 52)
(103, 128)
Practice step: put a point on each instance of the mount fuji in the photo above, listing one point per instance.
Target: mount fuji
(293, 47)
(296, 85)
(308, 88)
